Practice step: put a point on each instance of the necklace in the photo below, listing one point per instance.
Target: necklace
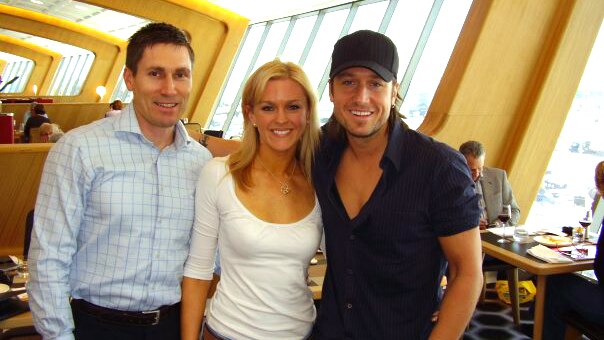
(285, 184)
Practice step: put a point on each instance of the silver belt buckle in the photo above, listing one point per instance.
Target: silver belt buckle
(157, 313)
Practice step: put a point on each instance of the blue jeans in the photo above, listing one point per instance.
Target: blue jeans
(570, 292)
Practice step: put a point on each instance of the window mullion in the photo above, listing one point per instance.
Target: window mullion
(349, 19)
(419, 50)
(311, 38)
(288, 32)
(250, 68)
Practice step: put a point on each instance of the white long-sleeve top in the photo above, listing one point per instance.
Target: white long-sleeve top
(262, 292)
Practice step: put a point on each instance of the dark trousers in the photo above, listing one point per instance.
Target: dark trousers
(89, 327)
(570, 292)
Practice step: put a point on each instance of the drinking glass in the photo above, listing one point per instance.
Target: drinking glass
(504, 217)
(521, 234)
(585, 223)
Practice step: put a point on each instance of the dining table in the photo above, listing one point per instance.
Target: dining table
(515, 253)
(17, 306)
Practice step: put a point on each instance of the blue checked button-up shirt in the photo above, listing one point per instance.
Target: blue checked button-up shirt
(112, 221)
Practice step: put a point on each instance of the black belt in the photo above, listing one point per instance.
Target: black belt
(147, 318)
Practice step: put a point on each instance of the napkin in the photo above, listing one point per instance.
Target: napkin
(509, 231)
(551, 256)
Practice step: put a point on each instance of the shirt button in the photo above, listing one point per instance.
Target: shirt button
(349, 306)
(352, 237)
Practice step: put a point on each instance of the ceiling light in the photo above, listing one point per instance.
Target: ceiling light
(37, 2)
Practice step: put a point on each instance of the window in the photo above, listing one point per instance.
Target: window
(18, 70)
(121, 91)
(424, 32)
(73, 71)
(568, 186)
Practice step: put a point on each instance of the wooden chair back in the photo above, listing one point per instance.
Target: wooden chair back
(21, 168)
(34, 135)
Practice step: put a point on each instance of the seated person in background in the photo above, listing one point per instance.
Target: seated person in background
(50, 132)
(38, 118)
(116, 108)
(28, 113)
(491, 183)
(570, 292)
(259, 208)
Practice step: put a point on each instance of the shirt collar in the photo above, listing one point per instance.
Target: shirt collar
(333, 149)
(127, 122)
(394, 149)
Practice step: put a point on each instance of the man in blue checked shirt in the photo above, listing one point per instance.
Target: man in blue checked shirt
(116, 205)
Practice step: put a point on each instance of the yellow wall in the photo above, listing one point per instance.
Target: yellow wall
(46, 62)
(66, 115)
(511, 80)
(21, 167)
(108, 50)
(215, 36)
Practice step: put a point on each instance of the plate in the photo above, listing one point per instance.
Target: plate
(553, 240)
(4, 288)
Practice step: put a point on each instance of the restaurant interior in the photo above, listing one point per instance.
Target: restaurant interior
(523, 77)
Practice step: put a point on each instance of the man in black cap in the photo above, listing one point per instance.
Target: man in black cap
(397, 206)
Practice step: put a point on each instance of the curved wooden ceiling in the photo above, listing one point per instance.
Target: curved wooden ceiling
(46, 62)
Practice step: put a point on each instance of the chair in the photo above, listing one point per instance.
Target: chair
(576, 326)
(34, 135)
(29, 225)
(193, 127)
(214, 133)
(512, 276)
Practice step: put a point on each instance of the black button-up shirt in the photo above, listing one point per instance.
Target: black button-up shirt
(384, 266)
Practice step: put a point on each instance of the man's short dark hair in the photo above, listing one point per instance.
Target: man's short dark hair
(152, 34)
(39, 109)
(472, 148)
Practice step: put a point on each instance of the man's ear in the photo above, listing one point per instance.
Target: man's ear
(129, 79)
(331, 90)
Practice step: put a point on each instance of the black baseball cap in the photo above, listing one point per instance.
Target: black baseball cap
(368, 49)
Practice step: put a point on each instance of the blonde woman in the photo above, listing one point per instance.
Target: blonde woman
(259, 208)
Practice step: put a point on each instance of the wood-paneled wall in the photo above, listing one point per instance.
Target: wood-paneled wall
(20, 168)
(46, 62)
(108, 50)
(68, 116)
(511, 80)
(215, 37)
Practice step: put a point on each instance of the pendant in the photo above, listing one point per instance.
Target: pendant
(285, 188)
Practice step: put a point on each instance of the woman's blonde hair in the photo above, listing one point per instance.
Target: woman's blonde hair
(240, 162)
